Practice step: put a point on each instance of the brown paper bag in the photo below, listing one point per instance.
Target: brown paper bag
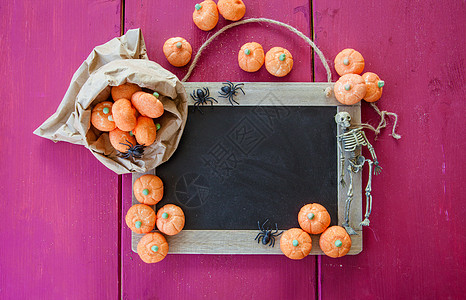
(120, 60)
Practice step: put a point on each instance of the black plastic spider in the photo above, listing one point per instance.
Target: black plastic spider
(202, 97)
(229, 90)
(134, 151)
(267, 235)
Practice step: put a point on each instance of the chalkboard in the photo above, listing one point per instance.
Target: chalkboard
(239, 165)
(262, 159)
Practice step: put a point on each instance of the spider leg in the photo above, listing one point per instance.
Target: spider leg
(276, 229)
(129, 145)
(257, 235)
(210, 99)
(231, 99)
(272, 241)
(258, 225)
(196, 105)
(193, 95)
(207, 92)
(242, 90)
(259, 240)
(264, 224)
(237, 86)
(278, 234)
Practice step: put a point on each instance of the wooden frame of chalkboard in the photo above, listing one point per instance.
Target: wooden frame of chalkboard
(242, 241)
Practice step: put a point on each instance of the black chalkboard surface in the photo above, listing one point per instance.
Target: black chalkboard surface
(239, 165)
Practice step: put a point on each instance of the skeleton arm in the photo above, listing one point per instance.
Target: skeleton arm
(342, 161)
(377, 168)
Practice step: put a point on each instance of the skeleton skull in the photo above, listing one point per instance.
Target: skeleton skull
(343, 119)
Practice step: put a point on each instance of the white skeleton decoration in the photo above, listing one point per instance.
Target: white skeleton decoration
(350, 141)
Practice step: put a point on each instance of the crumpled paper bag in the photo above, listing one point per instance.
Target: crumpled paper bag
(120, 60)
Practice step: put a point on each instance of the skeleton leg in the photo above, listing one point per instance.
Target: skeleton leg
(368, 196)
(342, 162)
(348, 204)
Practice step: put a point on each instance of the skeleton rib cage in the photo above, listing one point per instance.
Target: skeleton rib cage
(353, 139)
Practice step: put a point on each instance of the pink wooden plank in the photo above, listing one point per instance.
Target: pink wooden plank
(162, 20)
(59, 224)
(217, 276)
(414, 247)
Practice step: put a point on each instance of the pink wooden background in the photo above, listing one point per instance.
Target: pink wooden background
(61, 232)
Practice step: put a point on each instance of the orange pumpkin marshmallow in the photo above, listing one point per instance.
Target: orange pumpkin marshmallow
(152, 247)
(296, 243)
(335, 241)
(121, 140)
(350, 89)
(278, 61)
(147, 104)
(124, 114)
(232, 10)
(374, 86)
(145, 131)
(125, 90)
(349, 61)
(177, 51)
(148, 189)
(313, 218)
(205, 15)
(140, 218)
(101, 116)
(170, 219)
(251, 57)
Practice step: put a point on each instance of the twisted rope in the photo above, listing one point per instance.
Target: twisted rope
(257, 20)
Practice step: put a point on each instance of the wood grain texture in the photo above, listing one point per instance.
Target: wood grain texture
(218, 276)
(285, 93)
(59, 212)
(414, 246)
(161, 20)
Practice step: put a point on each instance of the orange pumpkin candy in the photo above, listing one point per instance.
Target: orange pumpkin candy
(278, 61)
(125, 90)
(147, 104)
(374, 86)
(349, 61)
(232, 10)
(152, 247)
(295, 243)
(148, 189)
(145, 131)
(335, 242)
(251, 57)
(118, 139)
(313, 218)
(140, 218)
(124, 114)
(350, 89)
(101, 116)
(205, 15)
(177, 51)
(170, 219)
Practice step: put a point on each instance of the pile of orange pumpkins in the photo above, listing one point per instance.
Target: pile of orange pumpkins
(129, 119)
(352, 87)
(142, 219)
(296, 243)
